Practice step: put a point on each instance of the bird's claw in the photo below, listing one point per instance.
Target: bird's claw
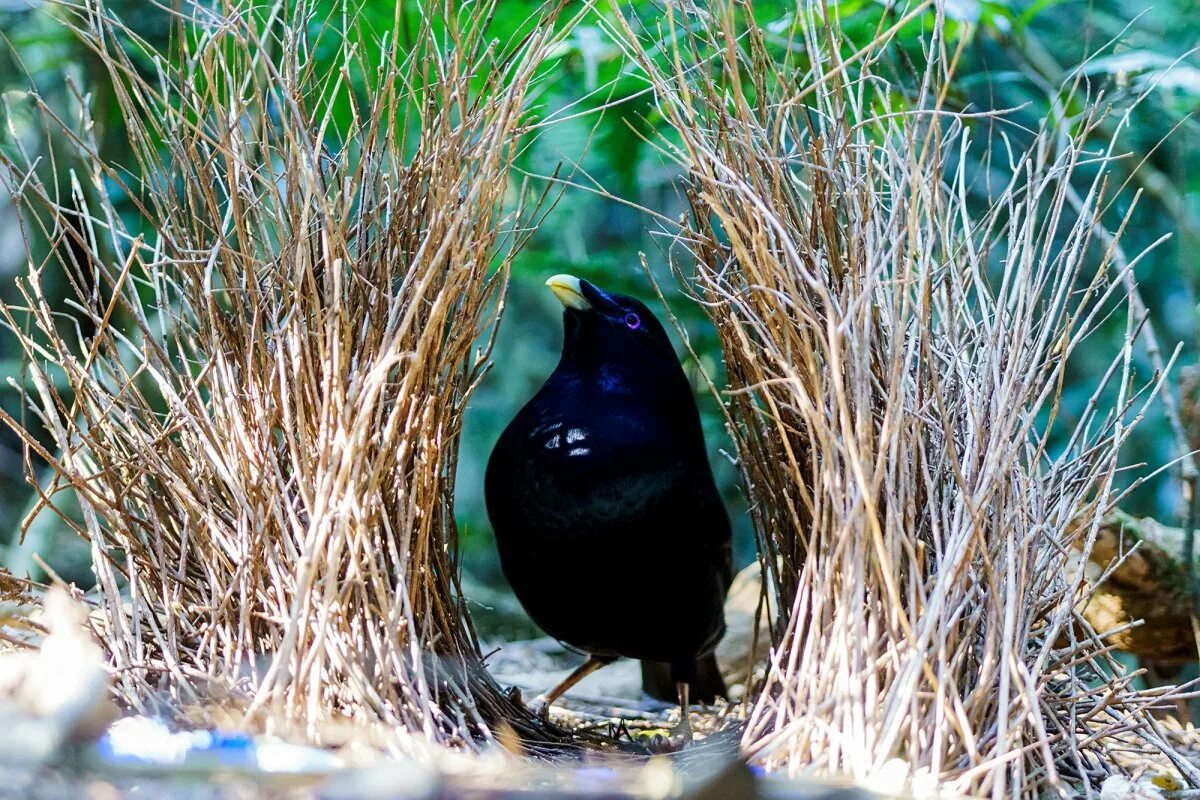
(540, 708)
(681, 737)
(668, 743)
(666, 740)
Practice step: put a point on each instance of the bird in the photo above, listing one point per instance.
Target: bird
(608, 522)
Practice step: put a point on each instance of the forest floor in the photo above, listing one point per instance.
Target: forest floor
(609, 703)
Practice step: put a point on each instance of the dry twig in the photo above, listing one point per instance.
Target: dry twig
(896, 351)
(258, 389)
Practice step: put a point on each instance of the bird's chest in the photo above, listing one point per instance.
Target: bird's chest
(597, 464)
(575, 446)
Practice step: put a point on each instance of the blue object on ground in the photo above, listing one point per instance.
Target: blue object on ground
(145, 743)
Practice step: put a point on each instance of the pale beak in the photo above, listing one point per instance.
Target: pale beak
(569, 292)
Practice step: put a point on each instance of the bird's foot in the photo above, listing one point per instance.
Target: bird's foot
(669, 740)
(540, 708)
(681, 735)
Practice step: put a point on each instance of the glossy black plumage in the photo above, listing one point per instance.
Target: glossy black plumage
(608, 522)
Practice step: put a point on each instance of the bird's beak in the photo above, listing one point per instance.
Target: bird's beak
(569, 291)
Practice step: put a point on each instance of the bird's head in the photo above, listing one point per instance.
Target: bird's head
(596, 322)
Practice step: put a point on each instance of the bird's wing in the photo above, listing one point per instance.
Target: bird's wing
(704, 515)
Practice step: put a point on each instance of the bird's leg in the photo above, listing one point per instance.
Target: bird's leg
(682, 734)
(541, 704)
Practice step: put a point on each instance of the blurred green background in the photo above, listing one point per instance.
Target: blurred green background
(1015, 56)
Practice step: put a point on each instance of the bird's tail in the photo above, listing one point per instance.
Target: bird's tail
(658, 680)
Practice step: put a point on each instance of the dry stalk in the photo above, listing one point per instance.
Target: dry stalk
(257, 391)
(896, 349)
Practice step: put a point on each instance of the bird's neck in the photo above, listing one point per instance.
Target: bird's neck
(646, 378)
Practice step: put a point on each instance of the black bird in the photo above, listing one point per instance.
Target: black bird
(607, 518)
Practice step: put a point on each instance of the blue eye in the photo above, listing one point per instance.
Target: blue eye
(633, 321)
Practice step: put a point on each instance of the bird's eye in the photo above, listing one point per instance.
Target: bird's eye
(633, 321)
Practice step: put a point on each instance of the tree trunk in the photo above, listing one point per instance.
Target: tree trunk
(1150, 584)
